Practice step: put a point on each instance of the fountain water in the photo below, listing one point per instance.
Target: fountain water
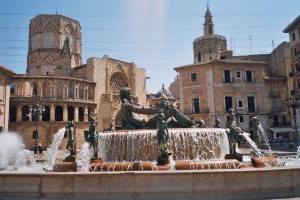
(14, 156)
(186, 144)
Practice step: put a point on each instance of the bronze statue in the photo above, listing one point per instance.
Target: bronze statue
(234, 131)
(162, 135)
(217, 123)
(255, 124)
(92, 137)
(71, 142)
(131, 120)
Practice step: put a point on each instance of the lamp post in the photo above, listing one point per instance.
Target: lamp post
(294, 103)
(36, 110)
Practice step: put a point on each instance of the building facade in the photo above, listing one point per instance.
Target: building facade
(293, 29)
(5, 79)
(218, 81)
(58, 87)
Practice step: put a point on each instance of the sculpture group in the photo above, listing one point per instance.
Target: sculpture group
(160, 118)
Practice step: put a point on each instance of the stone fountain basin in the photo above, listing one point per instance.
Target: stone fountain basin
(246, 183)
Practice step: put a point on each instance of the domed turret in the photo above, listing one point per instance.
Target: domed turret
(163, 94)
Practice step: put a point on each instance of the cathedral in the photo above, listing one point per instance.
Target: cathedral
(58, 87)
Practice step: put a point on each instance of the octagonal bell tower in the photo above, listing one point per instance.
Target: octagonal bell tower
(210, 45)
(54, 40)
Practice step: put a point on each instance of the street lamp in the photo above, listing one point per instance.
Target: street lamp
(294, 103)
(36, 110)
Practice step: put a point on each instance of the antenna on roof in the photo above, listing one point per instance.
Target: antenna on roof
(56, 7)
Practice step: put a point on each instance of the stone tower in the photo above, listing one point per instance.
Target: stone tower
(54, 40)
(210, 45)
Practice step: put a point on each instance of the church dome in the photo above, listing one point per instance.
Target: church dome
(163, 93)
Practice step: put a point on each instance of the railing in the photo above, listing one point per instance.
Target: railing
(228, 81)
(281, 124)
(250, 81)
(274, 95)
(253, 110)
(22, 99)
(192, 111)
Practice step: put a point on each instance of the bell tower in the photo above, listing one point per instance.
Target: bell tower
(210, 45)
(54, 41)
(208, 24)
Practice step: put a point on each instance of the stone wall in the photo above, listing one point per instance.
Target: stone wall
(207, 184)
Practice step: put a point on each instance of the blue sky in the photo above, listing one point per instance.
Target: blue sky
(155, 34)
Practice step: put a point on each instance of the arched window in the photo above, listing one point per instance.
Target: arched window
(48, 65)
(80, 114)
(199, 57)
(59, 90)
(71, 89)
(210, 31)
(46, 114)
(70, 113)
(25, 114)
(13, 114)
(59, 115)
(46, 89)
(34, 89)
(81, 91)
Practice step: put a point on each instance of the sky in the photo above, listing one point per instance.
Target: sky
(156, 35)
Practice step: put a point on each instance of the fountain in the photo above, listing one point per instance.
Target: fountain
(129, 168)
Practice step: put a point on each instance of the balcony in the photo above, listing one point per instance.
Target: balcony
(274, 95)
(192, 111)
(281, 124)
(253, 110)
(16, 99)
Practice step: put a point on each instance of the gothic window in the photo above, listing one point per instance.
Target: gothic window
(117, 82)
(81, 91)
(59, 90)
(210, 30)
(50, 40)
(71, 89)
(48, 65)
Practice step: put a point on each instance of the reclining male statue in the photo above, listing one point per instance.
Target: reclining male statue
(131, 120)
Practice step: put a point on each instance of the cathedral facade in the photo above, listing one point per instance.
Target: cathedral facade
(58, 87)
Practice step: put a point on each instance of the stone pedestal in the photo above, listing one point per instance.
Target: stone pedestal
(70, 159)
(236, 156)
